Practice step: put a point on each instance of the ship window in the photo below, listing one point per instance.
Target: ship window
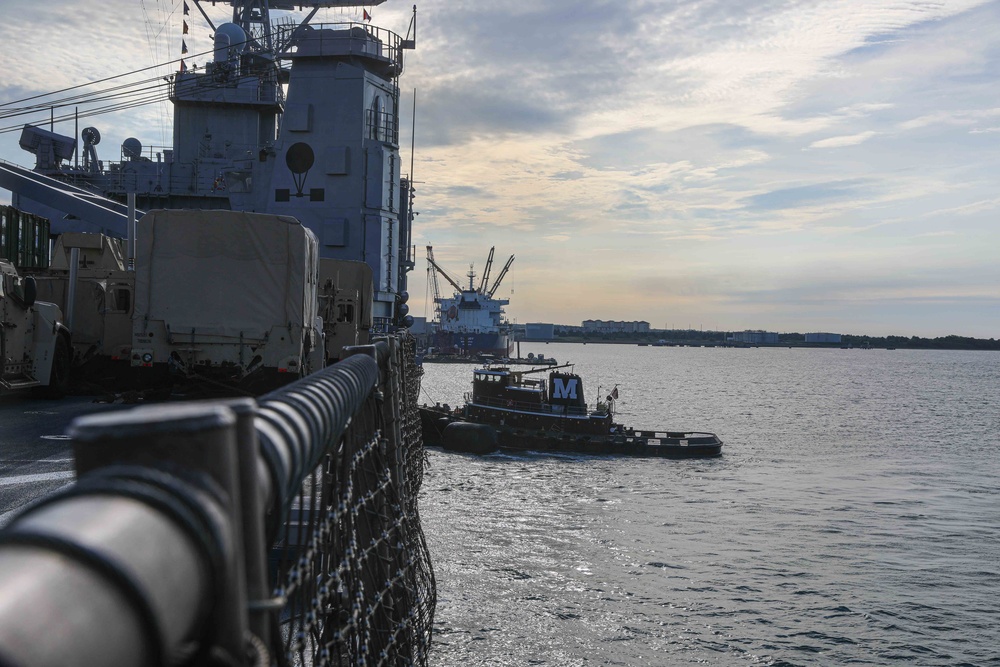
(122, 300)
(375, 118)
(346, 312)
(239, 180)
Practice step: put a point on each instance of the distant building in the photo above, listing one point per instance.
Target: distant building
(822, 338)
(539, 331)
(567, 329)
(601, 326)
(753, 337)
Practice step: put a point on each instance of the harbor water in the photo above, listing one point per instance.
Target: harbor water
(852, 519)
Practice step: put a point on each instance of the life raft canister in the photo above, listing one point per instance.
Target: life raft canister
(452, 313)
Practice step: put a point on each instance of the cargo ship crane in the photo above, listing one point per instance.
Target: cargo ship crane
(503, 273)
(486, 272)
(438, 269)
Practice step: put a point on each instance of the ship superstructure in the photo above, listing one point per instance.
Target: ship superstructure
(288, 117)
(472, 321)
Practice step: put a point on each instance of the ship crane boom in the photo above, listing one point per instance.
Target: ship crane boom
(486, 272)
(438, 269)
(500, 277)
(432, 276)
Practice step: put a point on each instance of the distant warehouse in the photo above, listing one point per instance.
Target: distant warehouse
(753, 337)
(615, 326)
(539, 331)
(822, 338)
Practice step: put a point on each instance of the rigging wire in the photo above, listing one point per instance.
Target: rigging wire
(105, 79)
(123, 100)
(96, 95)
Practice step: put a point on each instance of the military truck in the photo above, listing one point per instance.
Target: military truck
(100, 315)
(346, 295)
(34, 343)
(225, 298)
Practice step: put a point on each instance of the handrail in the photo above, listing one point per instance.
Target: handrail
(545, 408)
(158, 554)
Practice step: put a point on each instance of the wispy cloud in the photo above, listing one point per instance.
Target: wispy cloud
(840, 142)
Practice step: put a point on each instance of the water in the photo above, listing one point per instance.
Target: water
(851, 520)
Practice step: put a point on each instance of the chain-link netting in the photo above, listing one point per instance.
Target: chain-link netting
(351, 564)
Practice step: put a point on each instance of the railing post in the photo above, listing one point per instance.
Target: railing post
(194, 441)
(255, 495)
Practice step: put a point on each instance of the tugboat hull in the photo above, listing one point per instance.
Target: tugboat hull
(657, 444)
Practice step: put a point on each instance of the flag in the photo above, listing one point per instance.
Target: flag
(613, 395)
(184, 46)
(184, 67)
(366, 15)
(185, 28)
(187, 10)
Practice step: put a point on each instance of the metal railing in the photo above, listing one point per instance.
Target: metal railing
(531, 406)
(24, 238)
(280, 531)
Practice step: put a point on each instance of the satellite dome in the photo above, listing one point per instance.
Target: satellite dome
(132, 149)
(237, 36)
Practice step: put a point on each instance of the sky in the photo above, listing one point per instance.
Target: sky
(792, 166)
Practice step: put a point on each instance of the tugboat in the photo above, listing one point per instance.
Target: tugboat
(517, 410)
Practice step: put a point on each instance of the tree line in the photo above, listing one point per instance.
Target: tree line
(692, 336)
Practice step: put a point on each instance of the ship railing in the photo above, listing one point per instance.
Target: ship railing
(282, 530)
(532, 406)
(24, 238)
(342, 39)
(384, 126)
(242, 84)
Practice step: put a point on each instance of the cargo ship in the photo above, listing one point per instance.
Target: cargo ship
(470, 323)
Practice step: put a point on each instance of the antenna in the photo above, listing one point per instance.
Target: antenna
(413, 142)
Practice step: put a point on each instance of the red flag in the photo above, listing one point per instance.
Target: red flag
(184, 67)
(185, 27)
(366, 15)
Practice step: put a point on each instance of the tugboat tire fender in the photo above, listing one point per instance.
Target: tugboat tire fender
(469, 438)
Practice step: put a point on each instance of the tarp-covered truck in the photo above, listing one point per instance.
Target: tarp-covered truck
(226, 296)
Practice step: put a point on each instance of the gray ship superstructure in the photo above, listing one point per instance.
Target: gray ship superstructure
(289, 118)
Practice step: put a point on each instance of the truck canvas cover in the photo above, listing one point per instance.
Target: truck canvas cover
(224, 273)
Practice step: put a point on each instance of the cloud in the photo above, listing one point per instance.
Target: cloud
(840, 142)
(716, 149)
(807, 195)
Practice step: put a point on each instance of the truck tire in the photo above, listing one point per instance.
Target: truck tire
(62, 358)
